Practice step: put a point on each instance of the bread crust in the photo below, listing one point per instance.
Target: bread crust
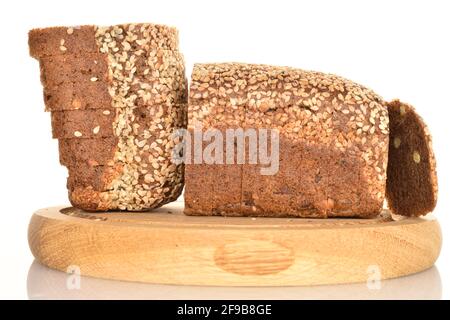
(333, 141)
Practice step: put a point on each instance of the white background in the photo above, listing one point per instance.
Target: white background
(398, 48)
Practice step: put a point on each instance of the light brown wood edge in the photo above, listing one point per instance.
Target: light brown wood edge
(182, 253)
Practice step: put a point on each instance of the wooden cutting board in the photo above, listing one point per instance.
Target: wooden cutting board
(166, 247)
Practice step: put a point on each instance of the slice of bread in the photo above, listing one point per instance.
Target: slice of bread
(411, 188)
(82, 39)
(116, 95)
(85, 175)
(91, 123)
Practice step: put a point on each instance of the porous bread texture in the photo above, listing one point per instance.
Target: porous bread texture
(412, 186)
(333, 143)
(116, 95)
(91, 123)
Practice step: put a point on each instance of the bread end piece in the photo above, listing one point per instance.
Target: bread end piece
(411, 187)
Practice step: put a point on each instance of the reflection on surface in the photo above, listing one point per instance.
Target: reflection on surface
(45, 283)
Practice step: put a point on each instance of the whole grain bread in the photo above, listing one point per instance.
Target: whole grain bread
(412, 187)
(70, 68)
(76, 81)
(333, 143)
(77, 96)
(98, 177)
(88, 151)
(116, 95)
(91, 123)
(83, 39)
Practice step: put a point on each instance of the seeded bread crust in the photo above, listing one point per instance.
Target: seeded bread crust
(74, 82)
(412, 186)
(149, 125)
(114, 107)
(333, 142)
(82, 39)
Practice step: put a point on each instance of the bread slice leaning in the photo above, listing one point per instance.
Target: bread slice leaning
(411, 188)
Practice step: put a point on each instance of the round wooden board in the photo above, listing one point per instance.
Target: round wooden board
(166, 247)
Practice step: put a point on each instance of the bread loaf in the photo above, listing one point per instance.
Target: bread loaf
(335, 138)
(411, 175)
(116, 95)
(333, 143)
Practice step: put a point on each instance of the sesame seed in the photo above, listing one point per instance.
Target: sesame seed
(96, 130)
(69, 30)
(76, 103)
(402, 110)
(416, 157)
(93, 79)
(397, 142)
(77, 134)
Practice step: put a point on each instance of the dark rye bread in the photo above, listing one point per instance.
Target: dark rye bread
(223, 180)
(95, 95)
(56, 70)
(61, 40)
(159, 64)
(322, 151)
(77, 96)
(92, 123)
(151, 129)
(99, 178)
(82, 39)
(333, 143)
(73, 82)
(87, 151)
(98, 123)
(115, 104)
(412, 187)
(150, 126)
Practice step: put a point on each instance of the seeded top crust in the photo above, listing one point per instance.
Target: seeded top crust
(411, 176)
(334, 138)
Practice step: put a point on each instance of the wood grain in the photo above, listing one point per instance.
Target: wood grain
(167, 247)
